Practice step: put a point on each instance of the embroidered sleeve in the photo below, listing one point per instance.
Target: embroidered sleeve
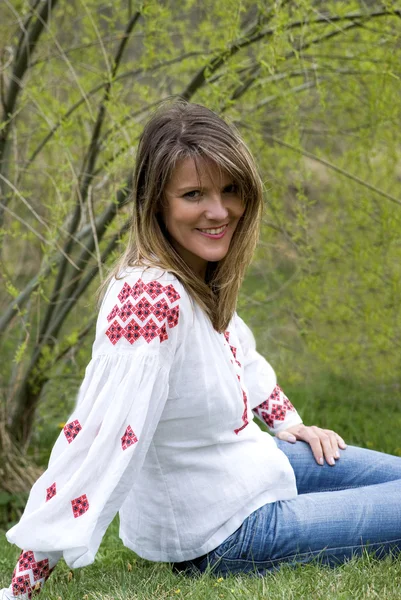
(30, 574)
(102, 447)
(277, 411)
(266, 398)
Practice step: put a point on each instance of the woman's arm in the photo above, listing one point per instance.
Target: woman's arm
(270, 404)
(99, 454)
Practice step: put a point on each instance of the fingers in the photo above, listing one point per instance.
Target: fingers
(324, 444)
(316, 446)
(330, 447)
(341, 442)
(286, 436)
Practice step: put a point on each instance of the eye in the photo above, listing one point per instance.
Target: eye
(231, 188)
(193, 194)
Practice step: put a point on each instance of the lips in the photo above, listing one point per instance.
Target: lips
(213, 230)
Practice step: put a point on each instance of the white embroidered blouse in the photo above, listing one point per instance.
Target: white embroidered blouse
(162, 432)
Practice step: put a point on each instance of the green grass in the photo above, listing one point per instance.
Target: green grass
(365, 416)
(117, 574)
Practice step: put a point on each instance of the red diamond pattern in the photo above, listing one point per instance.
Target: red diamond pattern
(154, 289)
(115, 332)
(142, 309)
(129, 438)
(160, 310)
(80, 505)
(125, 292)
(132, 331)
(126, 311)
(51, 492)
(264, 405)
(29, 572)
(163, 333)
(172, 317)
(234, 351)
(171, 293)
(71, 430)
(287, 403)
(278, 412)
(113, 313)
(227, 335)
(26, 560)
(274, 408)
(41, 569)
(21, 584)
(150, 330)
(143, 325)
(137, 289)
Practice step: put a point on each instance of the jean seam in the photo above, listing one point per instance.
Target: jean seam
(314, 552)
(341, 489)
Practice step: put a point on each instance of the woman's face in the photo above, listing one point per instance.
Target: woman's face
(202, 213)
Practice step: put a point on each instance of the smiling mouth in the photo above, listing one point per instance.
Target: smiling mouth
(214, 230)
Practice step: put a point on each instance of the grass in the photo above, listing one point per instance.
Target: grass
(364, 415)
(117, 574)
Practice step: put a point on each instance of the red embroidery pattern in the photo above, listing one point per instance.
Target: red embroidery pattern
(80, 505)
(29, 574)
(142, 324)
(115, 332)
(50, 492)
(163, 333)
(22, 585)
(150, 331)
(232, 348)
(113, 313)
(129, 438)
(125, 292)
(274, 408)
(245, 420)
(71, 430)
(26, 560)
(244, 414)
(126, 310)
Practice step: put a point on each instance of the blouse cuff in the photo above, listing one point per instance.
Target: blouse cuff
(277, 412)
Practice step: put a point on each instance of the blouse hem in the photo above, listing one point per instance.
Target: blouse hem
(221, 534)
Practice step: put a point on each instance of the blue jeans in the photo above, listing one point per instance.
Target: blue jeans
(340, 510)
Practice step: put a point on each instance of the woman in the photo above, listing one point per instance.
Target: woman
(163, 430)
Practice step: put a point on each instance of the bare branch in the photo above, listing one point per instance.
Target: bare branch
(100, 86)
(254, 70)
(35, 378)
(80, 337)
(256, 33)
(333, 167)
(94, 232)
(86, 178)
(26, 47)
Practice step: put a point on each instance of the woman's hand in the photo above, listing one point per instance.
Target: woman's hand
(323, 442)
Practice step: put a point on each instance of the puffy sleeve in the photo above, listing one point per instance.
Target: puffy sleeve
(101, 449)
(267, 400)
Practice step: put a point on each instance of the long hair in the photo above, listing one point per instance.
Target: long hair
(180, 130)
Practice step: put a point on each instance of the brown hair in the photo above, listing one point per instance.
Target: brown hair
(176, 131)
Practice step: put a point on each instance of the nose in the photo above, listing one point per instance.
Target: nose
(216, 209)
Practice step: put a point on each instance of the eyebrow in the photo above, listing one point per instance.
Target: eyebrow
(199, 187)
(189, 187)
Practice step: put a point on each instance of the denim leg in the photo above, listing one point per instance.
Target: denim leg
(330, 527)
(340, 510)
(356, 467)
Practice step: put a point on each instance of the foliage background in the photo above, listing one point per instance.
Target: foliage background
(314, 88)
